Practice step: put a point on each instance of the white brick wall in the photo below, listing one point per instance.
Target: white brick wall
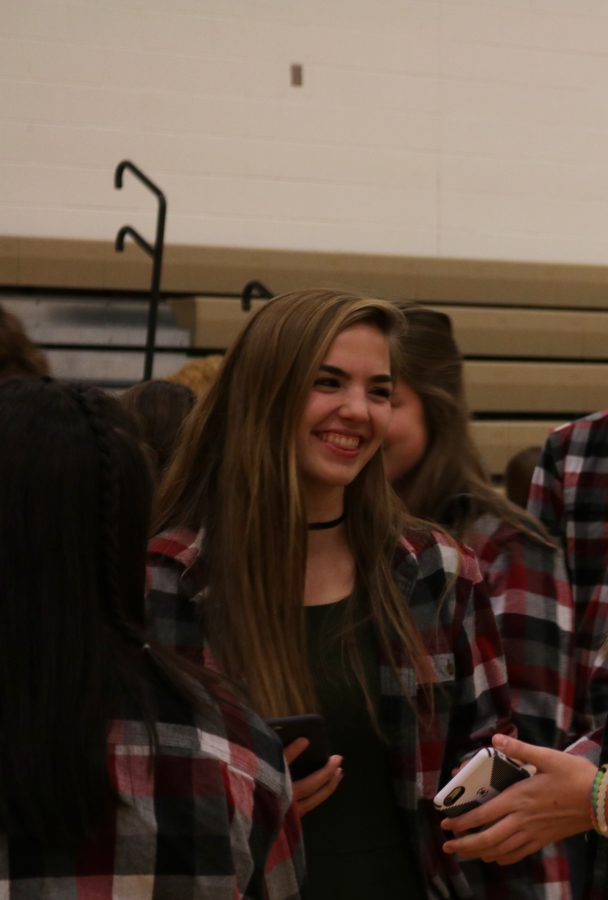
(466, 128)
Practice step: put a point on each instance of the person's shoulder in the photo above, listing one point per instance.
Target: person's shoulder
(437, 551)
(499, 542)
(579, 431)
(519, 528)
(180, 544)
(488, 534)
(222, 731)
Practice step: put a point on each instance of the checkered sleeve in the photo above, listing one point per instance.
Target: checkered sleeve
(591, 663)
(483, 701)
(484, 707)
(173, 600)
(285, 869)
(532, 601)
(452, 610)
(569, 495)
(203, 820)
(546, 500)
(594, 747)
(590, 746)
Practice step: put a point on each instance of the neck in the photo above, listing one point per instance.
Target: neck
(323, 505)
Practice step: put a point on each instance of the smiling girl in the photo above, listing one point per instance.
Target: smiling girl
(285, 558)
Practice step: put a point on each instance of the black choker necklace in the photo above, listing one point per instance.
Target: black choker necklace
(321, 526)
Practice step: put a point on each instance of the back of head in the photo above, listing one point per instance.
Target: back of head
(158, 410)
(19, 357)
(74, 508)
(518, 474)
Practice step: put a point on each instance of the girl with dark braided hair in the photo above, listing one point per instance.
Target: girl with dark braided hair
(123, 773)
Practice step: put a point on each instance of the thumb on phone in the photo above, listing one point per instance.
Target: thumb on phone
(293, 750)
(534, 759)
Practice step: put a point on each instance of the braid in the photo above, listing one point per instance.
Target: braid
(115, 609)
(91, 404)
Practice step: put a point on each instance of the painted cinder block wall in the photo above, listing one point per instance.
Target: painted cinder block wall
(440, 128)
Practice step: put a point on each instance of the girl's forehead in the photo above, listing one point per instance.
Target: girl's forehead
(360, 341)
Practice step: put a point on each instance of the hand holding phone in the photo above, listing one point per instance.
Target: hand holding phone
(484, 776)
(312, 727)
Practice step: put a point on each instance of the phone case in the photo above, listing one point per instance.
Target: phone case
(483, 777)
(312, 727)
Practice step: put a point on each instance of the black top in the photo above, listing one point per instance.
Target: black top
(355, 844)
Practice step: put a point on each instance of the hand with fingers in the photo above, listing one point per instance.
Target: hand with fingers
(309, 792)
(552, 805)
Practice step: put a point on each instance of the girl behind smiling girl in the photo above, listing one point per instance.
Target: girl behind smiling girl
(436, 469)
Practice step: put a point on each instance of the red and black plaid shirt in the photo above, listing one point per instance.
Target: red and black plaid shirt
(532, 601)
(442, 586)
(212, 819)
(569, 494)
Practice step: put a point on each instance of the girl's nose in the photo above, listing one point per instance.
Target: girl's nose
(355, 405)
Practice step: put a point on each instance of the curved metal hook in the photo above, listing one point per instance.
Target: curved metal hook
(254, 289)
(129, 230)
(127, 164)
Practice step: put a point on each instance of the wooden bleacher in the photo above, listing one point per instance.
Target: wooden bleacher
(534, 335)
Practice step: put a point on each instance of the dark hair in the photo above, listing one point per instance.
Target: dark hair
(158, 409)
(518, 474)
(19, 357)
(431, 364)
(75, 495)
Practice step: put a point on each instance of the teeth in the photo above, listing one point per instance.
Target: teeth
(341, 440)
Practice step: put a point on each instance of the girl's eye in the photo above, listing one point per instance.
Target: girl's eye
(327, 382)
(385, 392)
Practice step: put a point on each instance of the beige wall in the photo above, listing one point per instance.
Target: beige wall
(460, 128)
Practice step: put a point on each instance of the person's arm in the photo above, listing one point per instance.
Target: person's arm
(482, 702)
(532, 601)
(173, 601)
(592, 661)
(551, 805)
(546, 499)
(283, 862)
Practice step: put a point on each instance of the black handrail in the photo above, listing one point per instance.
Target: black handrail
(156, 252)
(254, 289)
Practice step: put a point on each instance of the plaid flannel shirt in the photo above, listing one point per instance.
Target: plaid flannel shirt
(200, 824)
(569, 494)
(442, 585)
(532, 601)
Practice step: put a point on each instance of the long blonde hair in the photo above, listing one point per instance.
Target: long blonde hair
(431, 364)
(236, 476)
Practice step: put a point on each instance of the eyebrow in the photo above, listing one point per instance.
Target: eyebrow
(334, 370)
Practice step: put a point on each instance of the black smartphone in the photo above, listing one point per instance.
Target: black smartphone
(312, 727)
